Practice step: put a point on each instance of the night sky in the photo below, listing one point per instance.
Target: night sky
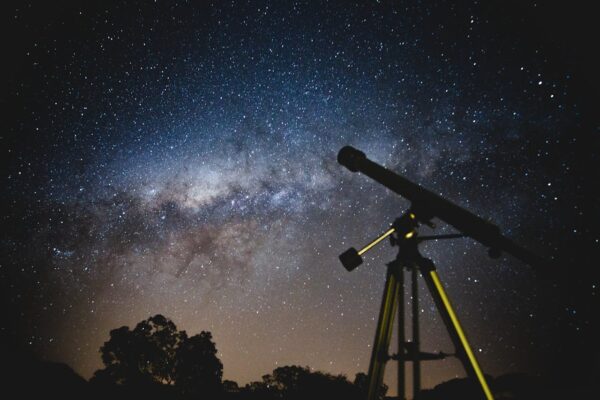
(180, 158)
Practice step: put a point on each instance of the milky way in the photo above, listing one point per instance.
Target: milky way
(181, 159)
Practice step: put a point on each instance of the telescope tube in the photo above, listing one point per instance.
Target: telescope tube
(430, 205)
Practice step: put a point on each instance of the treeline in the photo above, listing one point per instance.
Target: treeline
(155, 360)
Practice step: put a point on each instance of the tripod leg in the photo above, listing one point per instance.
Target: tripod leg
(401, 336)
(415, 334)
(463, 349)
(383, 334)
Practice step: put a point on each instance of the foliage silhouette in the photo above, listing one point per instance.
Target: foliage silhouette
(155, 356)
(157, 361)
(145, 354)
(197, 368)
(295, 383)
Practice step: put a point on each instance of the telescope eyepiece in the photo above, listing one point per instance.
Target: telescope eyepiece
(351, 158)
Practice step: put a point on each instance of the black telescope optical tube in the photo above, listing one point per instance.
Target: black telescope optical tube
(433, 205)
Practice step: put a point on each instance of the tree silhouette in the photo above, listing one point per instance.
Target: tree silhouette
(197, 368)
(155, 357)
(143, 355)
(230, 386)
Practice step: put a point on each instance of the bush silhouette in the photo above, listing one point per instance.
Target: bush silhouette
(295, 383)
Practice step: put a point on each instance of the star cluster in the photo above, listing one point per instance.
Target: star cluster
(180, 158)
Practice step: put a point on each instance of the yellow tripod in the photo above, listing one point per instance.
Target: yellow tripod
(404, 235)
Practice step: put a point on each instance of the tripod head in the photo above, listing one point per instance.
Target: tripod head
(402, 231)
(426, 205)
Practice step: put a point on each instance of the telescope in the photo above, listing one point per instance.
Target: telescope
(403, 233)
(427, 205)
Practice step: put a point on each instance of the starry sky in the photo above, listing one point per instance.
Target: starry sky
(180, 158)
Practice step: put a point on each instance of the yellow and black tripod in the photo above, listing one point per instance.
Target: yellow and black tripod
(425, 205)
(403, 234)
